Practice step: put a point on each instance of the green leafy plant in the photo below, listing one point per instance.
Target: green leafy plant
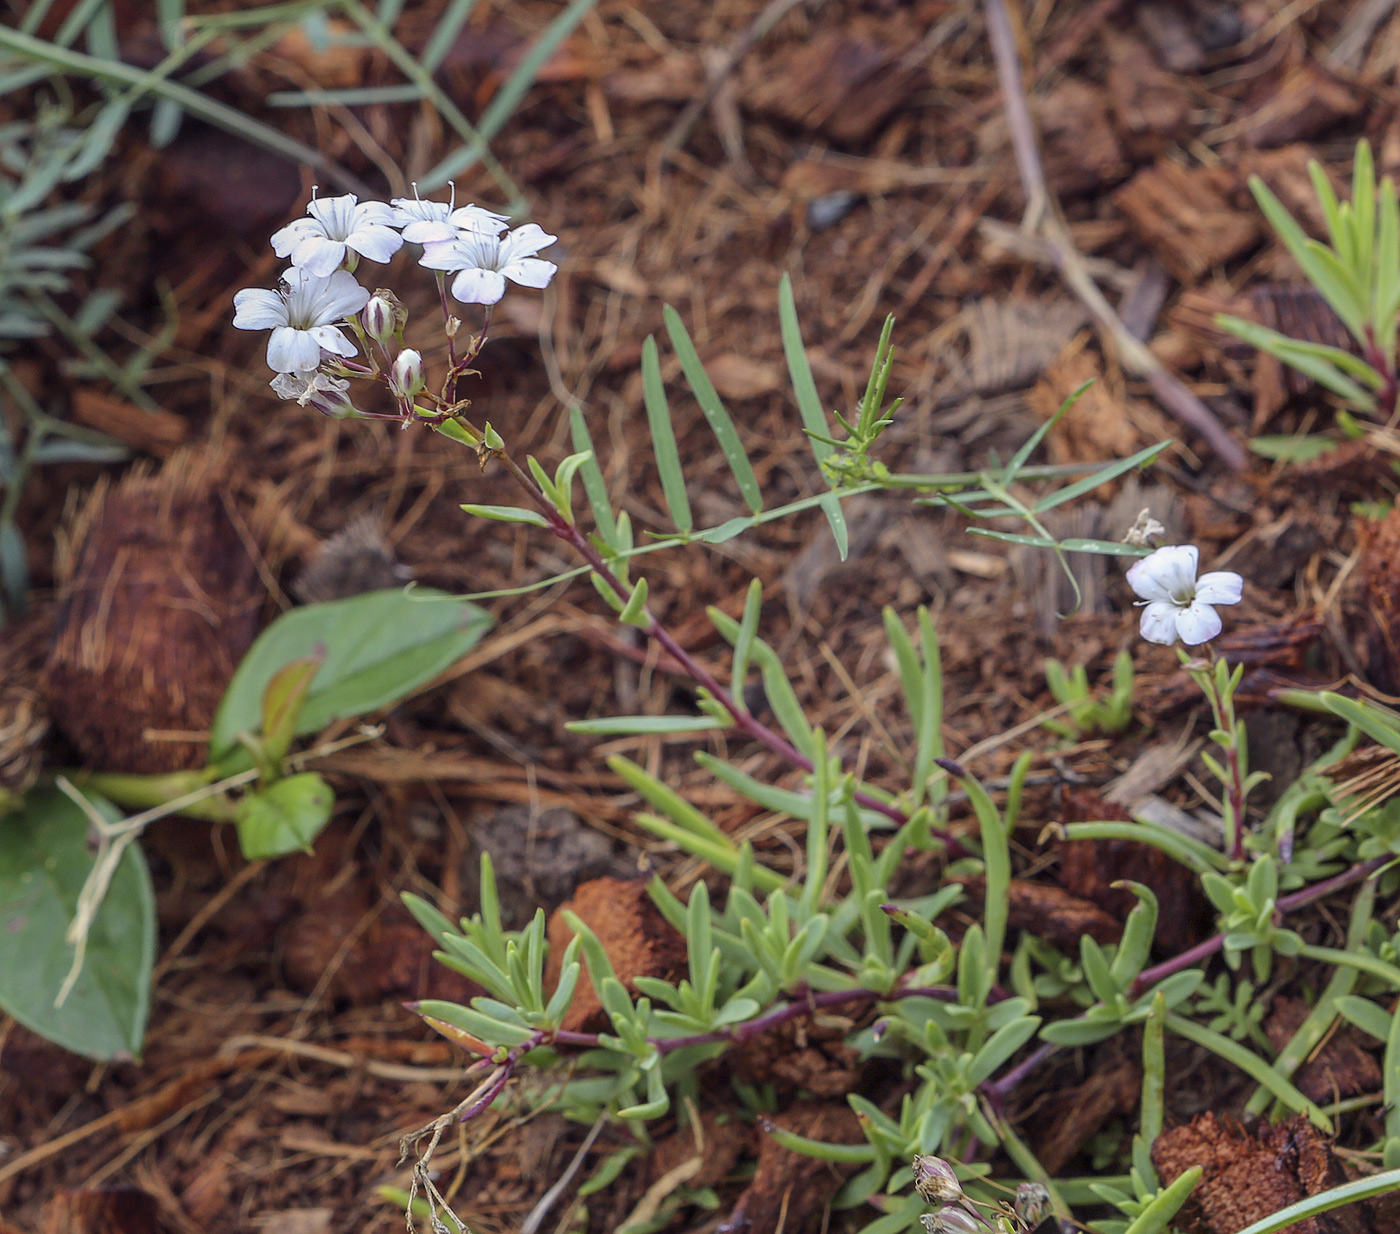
(1084, 715)
(1357, 272)
(67, 910)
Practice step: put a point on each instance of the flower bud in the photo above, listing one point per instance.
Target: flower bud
(406, 377)
(383, 317)
(935, 1181)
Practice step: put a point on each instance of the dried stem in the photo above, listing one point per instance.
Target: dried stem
(1043, 217)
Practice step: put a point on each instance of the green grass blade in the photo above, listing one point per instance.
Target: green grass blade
(507, 99)
(715, 414)
(1326, 1201)
(663, 439)
(593, 483)
(218, 114)
(809, 404)
(450, 24)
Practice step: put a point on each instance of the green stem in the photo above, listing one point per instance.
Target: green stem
(138, 792)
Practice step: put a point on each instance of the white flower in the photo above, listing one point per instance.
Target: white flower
(300, 316)
(1178, 603)
(336, 224)
(429, 222)
(303, 387)
(483, 263)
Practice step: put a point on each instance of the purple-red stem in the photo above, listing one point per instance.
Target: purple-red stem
(1389, 395)
(743, 720)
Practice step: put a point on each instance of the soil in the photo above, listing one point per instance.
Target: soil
(860, 147)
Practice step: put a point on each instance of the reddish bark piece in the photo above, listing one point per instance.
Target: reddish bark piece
(1186, 216)
(1342, 1068)
(1052, 913)
(801, 1055)
(639, 941)
(1295, 107)
(115, 1210)
(1078, 1112)
(159, 604)
(1249, 1175)
(1148, 103)
(723, 1142)
(154, 432)
(1380, 575)
(1097, 425)
(1079, 147)
(789, 1190)
(1089, 868)
(845, 87)
(364, 959)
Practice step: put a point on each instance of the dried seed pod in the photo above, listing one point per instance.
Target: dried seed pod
(952, 1221)
(354, 560)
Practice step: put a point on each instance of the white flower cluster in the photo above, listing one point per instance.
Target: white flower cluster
(320, 291)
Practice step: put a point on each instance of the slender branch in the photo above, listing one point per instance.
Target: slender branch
(1043, 216)
(743, 720)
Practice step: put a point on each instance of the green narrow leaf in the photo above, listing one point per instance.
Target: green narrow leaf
(593, 482)
(715, 414)
(743, 643)
(809, 405)
(663, 439)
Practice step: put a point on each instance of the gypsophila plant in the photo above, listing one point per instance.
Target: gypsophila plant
(959, 1023)
(1357, 272)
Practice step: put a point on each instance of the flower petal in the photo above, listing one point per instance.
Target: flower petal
(292, 351)
(1158, 623)
(479, 286)
(341, 297)
(1197, 623)
(1167, 572)
(429, 231)
(446, 254)
(525, 242)
(331, 338)
(318, 256)
(530, 272)
(1220, 587)
(258, 309)
(288, 237)
(375, 241)
(374, 214)
(335, 214)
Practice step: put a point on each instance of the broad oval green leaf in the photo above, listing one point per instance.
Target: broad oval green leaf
(44, 860)
(284, 817)
(378, 647)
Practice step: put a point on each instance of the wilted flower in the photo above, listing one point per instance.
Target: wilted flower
(1178, 604)
(319, 243)
(952, 1221)
(483, 263)
(326, 394)
(301, 316)
(427, 222)
(1032, 1204)
(935, 1181)
(1144, 530)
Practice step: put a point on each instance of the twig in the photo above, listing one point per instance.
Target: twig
(551, 1197)
(1043, 217)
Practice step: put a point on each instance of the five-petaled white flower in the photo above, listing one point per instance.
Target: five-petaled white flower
(1179, 605)
(483, 263)
(301, 316)
(319, 243)
(431, 222)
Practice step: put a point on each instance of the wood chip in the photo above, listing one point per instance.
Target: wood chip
(1185, 215)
